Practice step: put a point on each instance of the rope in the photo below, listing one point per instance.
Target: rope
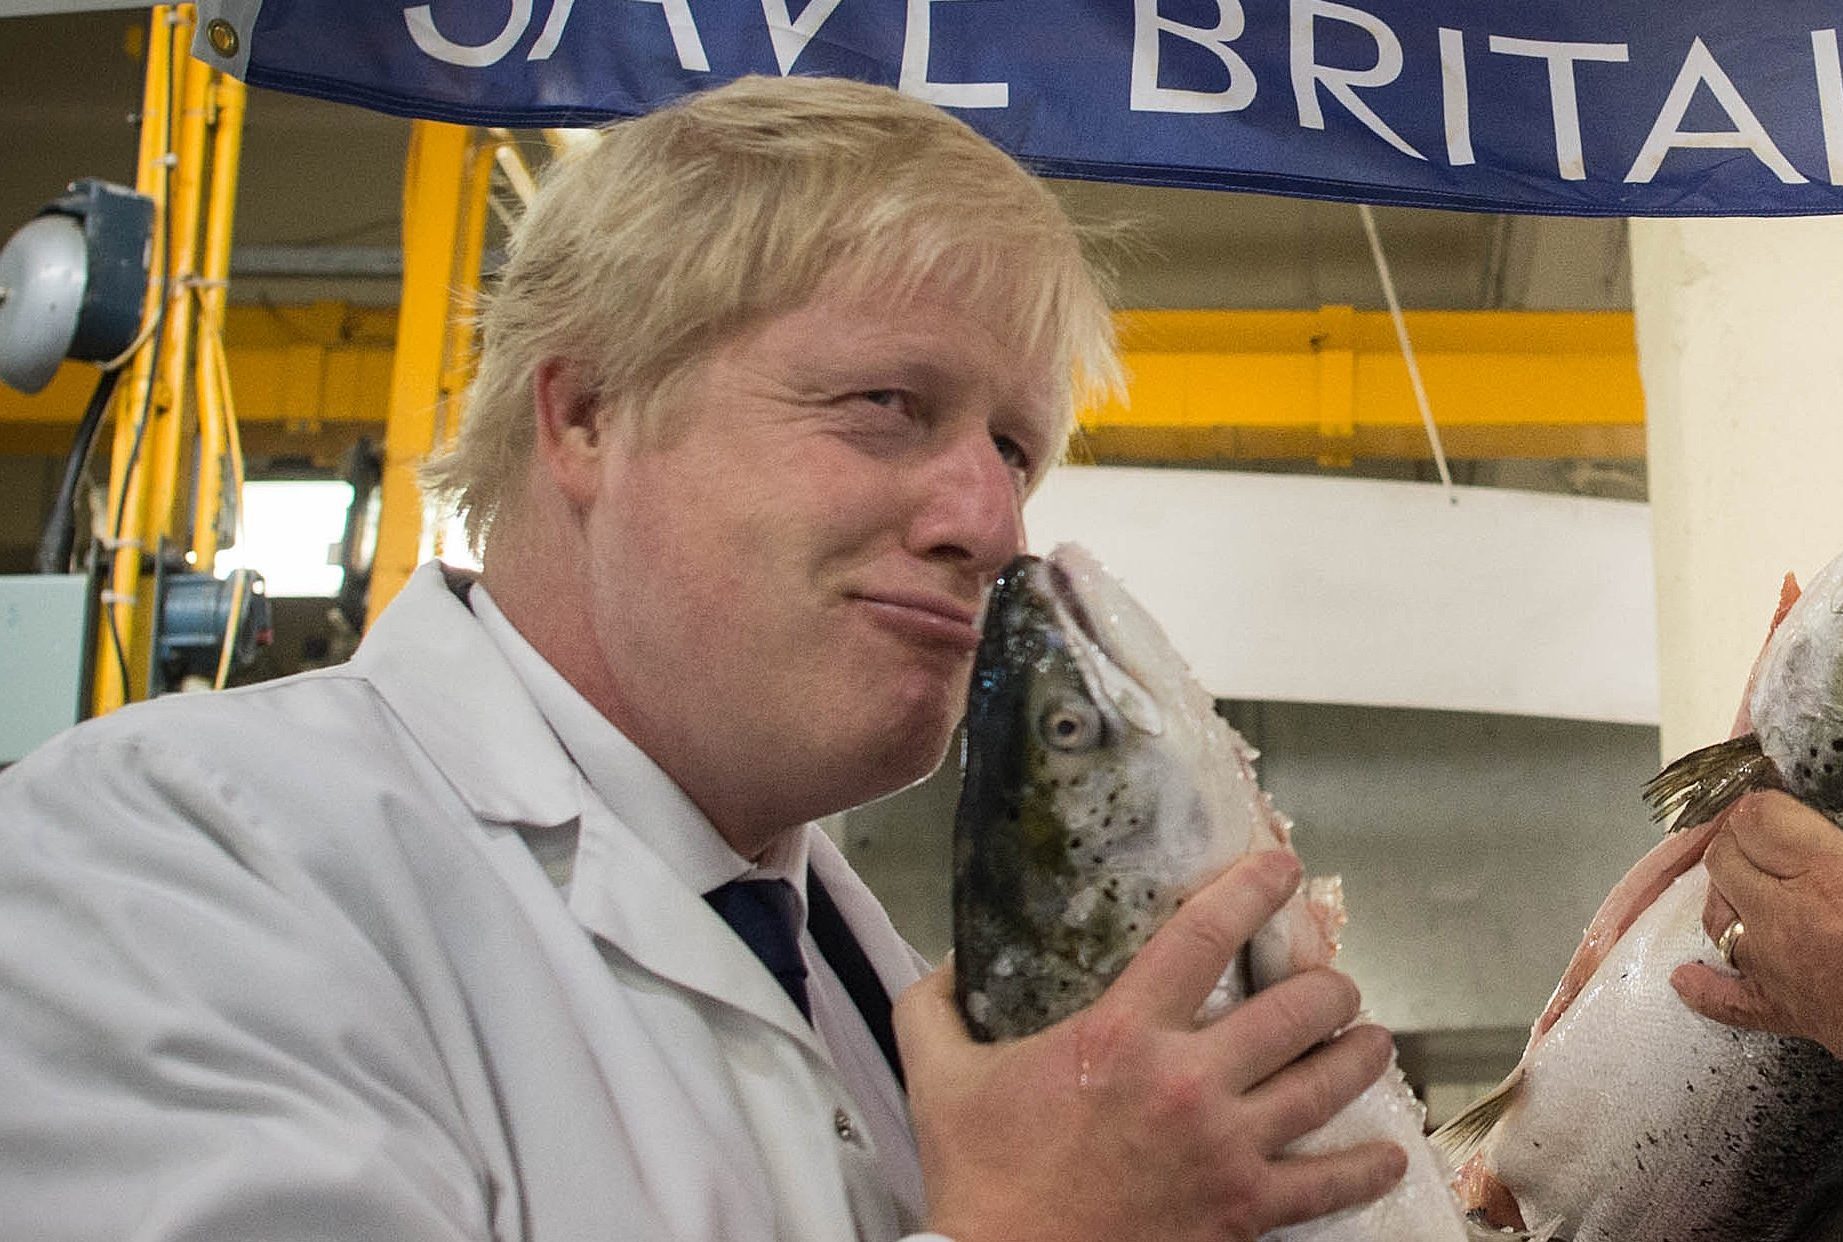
(1407, 350)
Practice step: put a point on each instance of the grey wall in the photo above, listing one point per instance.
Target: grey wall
(1474, 848)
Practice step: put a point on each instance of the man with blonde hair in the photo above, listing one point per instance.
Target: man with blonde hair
(518, 926)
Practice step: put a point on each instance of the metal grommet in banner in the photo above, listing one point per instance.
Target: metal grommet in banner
(223, 37)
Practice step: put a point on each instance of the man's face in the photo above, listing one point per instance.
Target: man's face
(786, 582)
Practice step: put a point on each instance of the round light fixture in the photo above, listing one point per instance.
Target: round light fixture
(72, 282)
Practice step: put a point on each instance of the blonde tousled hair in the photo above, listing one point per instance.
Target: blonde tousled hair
(669, 232)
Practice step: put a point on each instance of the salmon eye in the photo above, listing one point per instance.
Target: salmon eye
(1071, 724)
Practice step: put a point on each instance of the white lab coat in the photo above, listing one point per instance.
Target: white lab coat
(277, 964)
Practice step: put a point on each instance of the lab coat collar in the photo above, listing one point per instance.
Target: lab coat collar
(629, 897)
(456, 695)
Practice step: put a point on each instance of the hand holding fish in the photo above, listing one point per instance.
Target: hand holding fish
(1128, 1119)
(1777, 865)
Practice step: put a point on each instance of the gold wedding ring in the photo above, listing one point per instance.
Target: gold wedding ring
(1728, 939)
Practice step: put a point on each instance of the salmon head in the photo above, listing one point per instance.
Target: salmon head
(1100, 788)
(1795, 707)
(1797, 700)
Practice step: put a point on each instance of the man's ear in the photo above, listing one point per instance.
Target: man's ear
(570, 437)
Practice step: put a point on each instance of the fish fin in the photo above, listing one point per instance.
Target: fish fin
(1704, 782)
(1459, 1139)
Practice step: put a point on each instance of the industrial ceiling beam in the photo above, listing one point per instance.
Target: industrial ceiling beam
(1331, 384)
(1206, 386)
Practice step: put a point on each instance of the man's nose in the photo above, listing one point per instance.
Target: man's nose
(972, 507)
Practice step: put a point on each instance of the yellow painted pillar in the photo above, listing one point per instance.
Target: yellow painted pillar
(168, 431)
(1738, 326)
(433, 196)
(1336, 347)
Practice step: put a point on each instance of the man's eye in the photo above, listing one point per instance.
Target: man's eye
(889, 398)
(1014, 454)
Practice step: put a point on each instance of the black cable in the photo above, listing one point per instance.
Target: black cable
(121, 656)
(134, 452)
(55, 544)
(141, 419)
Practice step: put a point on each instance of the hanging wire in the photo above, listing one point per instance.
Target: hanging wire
(1407, 350)
(59, 537)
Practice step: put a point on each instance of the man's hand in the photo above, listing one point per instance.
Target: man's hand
(1128, 1121)
(1777, 865)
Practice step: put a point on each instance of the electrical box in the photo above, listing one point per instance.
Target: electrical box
(45, 629)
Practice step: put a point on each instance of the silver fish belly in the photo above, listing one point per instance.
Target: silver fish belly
(1641, 1121)
(1632, 1118)
(1100, 789)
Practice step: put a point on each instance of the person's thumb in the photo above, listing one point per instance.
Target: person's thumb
(1728, 999)
(926, 1016)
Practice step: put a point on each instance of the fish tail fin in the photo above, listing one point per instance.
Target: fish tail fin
(1704, 782)
(1459, 1139)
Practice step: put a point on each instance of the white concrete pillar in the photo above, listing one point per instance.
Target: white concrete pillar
(1740, 346)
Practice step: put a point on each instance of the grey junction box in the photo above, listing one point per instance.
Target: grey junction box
(45, 624)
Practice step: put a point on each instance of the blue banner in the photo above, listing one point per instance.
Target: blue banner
(1573, 107)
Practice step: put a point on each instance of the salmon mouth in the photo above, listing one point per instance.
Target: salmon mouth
(1074, 608)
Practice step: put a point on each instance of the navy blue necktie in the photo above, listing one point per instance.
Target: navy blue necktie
(766, 914)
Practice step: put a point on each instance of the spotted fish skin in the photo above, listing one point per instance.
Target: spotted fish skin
(1796, 705)
(1639, 1121)
(1791, 736)
(1075, 835)
(1100, 789)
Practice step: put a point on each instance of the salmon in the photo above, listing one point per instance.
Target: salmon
(1101, 788)
(1631, 1118)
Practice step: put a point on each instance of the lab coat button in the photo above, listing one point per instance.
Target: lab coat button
(841, 1125)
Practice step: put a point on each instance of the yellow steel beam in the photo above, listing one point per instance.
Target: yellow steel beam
(122, 661)
(173, 413)
(297, 367)
(173, 421)
(1229, 385)
(458, 356)
(220, 466)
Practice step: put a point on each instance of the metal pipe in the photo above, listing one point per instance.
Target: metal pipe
(161, 461)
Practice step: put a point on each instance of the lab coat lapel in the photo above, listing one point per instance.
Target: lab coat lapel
(479, 726)
(624, 893)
